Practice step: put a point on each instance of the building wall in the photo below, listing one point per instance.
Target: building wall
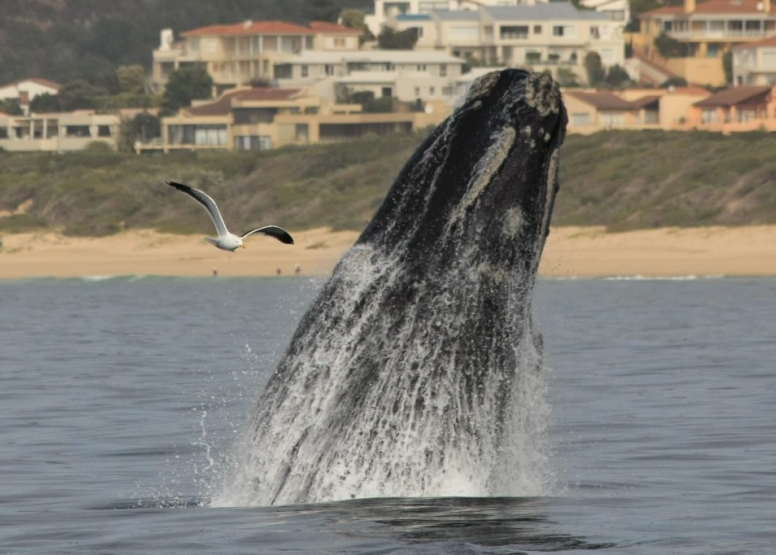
(705, 71)
(32, 88)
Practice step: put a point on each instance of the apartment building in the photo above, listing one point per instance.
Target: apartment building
(403, 74)
(265, 118)
(59, 132)
(386, 10)
(755, 63)
(540, 36)
(241, 53)
(705, 30)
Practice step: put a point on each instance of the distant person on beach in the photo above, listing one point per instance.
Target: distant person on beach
(297, 269)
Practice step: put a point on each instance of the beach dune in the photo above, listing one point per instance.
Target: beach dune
(570, 252)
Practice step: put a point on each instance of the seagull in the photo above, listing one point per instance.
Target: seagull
(225, 240)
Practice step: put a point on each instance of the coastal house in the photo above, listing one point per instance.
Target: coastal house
(735, 109)
(265, 118)
(755, 63)
(590, 110)
(58, 132)
(241, 53)
(540, 36)
(27, 89)
(386, 10)
(705, 31)
(407, 75)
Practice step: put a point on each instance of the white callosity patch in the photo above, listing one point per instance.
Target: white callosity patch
(542, 94)
(485, 169)
(513, 222)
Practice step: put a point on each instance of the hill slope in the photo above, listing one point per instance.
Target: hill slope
(623, 180)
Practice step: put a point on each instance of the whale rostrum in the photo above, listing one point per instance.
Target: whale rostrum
(411, 373)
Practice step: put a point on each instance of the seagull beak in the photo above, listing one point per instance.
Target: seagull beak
(243, 246)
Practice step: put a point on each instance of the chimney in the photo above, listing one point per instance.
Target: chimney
(165, 39)
(689, 6)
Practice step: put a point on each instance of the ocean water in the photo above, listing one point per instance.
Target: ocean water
(121, 399)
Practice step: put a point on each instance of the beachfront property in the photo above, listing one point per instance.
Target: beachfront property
(389, 10)
(592, 110)
(540, 36)
(755, 63)
(410, 76)
(60, 132)
(241, 53)
(27, 89)
(705, 31)
(264, 118)
(735, 109)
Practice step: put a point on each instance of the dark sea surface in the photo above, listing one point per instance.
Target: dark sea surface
(120, 399)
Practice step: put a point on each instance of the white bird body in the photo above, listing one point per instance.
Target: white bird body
(226, 240)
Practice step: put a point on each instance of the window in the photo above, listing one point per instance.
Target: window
(611, 119)
(253, 142)
(713, 50)
(387, 92)
(537, 30)
(329, 69)
(443, 70)
(595, 32)
(417, 91)
(432, 91)
(256, 45)
(709, 116)
(533, 57)
(580, 120)
(651, 116)
(339, 42)
(77, 131)
(305, 71)
(103, 131)
(3, 132)
(193, 45)
(514, 31)
(566, 31)
(421, 67)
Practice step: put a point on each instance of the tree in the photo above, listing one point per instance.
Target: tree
(674, 82)
(184, 85)
(727, 66)
(45, 103)
(355, 19)
(566, 77)
(11, 107)
(616, 76)
(78, 95)
(320, 10)
(142, 127)
(391, 39)
(594, 69)
(131, 79)
(669, 47)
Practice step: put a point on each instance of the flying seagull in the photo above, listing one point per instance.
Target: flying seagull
(225, 240)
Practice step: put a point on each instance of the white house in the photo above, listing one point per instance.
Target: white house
(27, 89)
(539, 36)
(59, 132)
(404, 74)
(385, 10)
(754, 63)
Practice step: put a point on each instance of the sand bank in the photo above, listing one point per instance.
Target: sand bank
(570, 252)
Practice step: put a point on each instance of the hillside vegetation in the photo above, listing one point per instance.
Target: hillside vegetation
(622, 180)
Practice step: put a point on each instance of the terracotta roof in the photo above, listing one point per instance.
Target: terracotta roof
(733, 95)
(602, 100)
(223, 105)
(250, 28)
(692, 90)
(332, 28)
(756, 44)
(711, 7)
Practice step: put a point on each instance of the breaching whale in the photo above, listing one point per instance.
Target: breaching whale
(404, 377)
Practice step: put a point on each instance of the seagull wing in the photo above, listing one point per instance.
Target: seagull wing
(208, 203)
(273, 231)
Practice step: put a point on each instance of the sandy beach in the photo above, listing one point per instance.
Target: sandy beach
(571, 252)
